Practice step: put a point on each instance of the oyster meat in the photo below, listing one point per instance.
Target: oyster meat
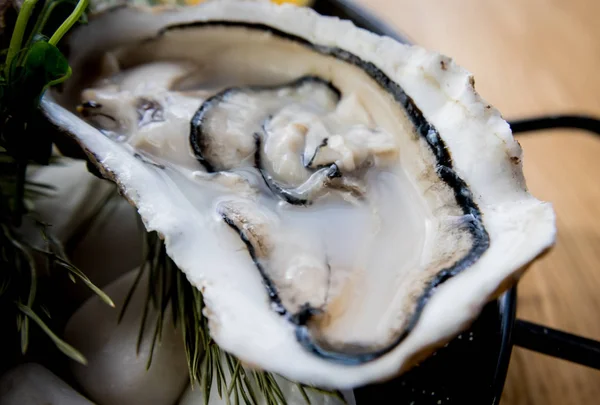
(344, 202)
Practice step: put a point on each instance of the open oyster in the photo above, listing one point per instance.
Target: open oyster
(344, 202)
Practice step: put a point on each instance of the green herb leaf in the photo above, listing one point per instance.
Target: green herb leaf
(45, 65)
(76, 272)
(61, 344)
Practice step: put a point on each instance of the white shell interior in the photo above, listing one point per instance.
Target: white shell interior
(417, 213)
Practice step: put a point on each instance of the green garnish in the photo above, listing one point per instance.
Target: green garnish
(28, 68)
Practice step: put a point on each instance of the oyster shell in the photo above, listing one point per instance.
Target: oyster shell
(344, 202)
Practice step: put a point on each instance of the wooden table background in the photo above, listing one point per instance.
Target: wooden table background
(536, 57)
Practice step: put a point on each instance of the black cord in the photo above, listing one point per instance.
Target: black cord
(558, 344)
(584, 122)
(540, 338)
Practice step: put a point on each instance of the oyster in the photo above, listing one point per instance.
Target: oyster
(344, 202)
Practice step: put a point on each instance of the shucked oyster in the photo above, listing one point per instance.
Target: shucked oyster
(345, 203)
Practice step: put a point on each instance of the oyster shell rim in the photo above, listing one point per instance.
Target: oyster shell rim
(491, 286)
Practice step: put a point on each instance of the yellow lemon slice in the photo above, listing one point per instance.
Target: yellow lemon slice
(296, 2)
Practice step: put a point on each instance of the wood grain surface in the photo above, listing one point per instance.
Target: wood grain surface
(536, 57)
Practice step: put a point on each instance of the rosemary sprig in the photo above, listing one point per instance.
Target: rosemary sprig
(61, 344)
(206, 361)
(19, 283)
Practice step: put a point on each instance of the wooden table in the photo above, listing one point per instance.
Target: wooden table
(536, 57)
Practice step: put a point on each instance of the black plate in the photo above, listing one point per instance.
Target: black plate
(470, 369)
